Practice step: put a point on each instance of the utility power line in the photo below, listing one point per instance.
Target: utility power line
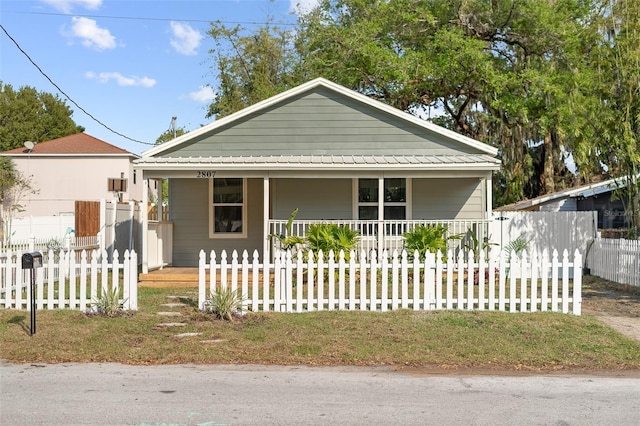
(67, 96)
(143, 18)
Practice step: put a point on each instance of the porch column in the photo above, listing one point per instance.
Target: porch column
(266, 255)
(144, 216)
(489, 191)
(381, 233)
(160, 200)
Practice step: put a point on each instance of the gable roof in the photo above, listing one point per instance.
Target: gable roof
(76, 144)
(587, 190)
(170, 152)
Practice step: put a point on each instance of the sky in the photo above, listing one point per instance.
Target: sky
(131, 65)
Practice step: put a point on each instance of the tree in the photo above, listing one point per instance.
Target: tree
(612, 121)
(29, 115)
(170, 135)
(13, 186)
(538, 79)
(501, 71)
(250, 67)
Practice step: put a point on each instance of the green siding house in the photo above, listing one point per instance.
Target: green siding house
(332, 153)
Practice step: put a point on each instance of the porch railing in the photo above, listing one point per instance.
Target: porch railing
(388, 234)
(160, 244)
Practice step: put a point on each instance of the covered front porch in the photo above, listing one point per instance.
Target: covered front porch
(263, 205)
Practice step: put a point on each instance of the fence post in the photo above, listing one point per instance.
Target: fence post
(577, 283)
(202, 280)
(32, 243)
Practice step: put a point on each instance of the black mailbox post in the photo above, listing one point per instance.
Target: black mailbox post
(31, 261)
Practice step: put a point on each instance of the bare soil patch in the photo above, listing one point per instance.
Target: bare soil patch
(618, 306)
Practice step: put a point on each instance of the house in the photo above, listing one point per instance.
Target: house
(334, 154)
(74, 167)
(597, 197)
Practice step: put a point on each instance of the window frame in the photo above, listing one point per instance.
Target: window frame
(244, 205)
(381, 204)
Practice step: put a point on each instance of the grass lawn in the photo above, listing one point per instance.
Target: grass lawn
(528, 341)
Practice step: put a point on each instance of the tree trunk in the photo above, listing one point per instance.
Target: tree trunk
(548, 181)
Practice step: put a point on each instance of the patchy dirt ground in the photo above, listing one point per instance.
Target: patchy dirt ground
(616, 306)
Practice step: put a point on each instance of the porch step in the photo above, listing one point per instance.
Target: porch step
(169, 277)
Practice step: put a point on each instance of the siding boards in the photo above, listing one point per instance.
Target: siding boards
(321, 199)
(320, 122)
(190, 216)
(447, 199)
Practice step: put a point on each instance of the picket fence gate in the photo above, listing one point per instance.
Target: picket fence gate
(616, 260)
(308, 282)
(64, 283)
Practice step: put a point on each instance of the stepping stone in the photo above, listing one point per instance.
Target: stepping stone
(188, 334)
(174, 305)
(170, 314)
(171, 324)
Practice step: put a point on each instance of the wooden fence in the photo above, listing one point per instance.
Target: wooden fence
(310, 282)
(63, 283)
(616, 260)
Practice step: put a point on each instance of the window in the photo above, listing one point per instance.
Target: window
(394, 203)
(228, 208)
(368, 199)
(395, 199)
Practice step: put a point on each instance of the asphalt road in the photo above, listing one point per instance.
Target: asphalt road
(114, 394)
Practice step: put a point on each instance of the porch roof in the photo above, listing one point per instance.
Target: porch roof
(323, 162)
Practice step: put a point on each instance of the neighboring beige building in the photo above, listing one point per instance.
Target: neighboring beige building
(75, 167)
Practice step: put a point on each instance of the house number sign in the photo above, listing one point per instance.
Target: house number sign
(205, 174)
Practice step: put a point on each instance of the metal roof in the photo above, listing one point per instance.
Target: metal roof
(323, 161)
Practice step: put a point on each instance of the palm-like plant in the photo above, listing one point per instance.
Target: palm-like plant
(329, 236)
(288, 241)
(425, 238)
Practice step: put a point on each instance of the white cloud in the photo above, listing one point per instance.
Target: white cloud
(91, 34)
(205, 94)
(105, 77)
(185, 39)
(66, 5)
(302, 7)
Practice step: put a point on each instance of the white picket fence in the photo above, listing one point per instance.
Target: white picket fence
(69, 242)
(301, 283)
(616, 260)
(64, 283)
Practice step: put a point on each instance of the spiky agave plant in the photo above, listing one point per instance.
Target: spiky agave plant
(109, 303)
(224, 302)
